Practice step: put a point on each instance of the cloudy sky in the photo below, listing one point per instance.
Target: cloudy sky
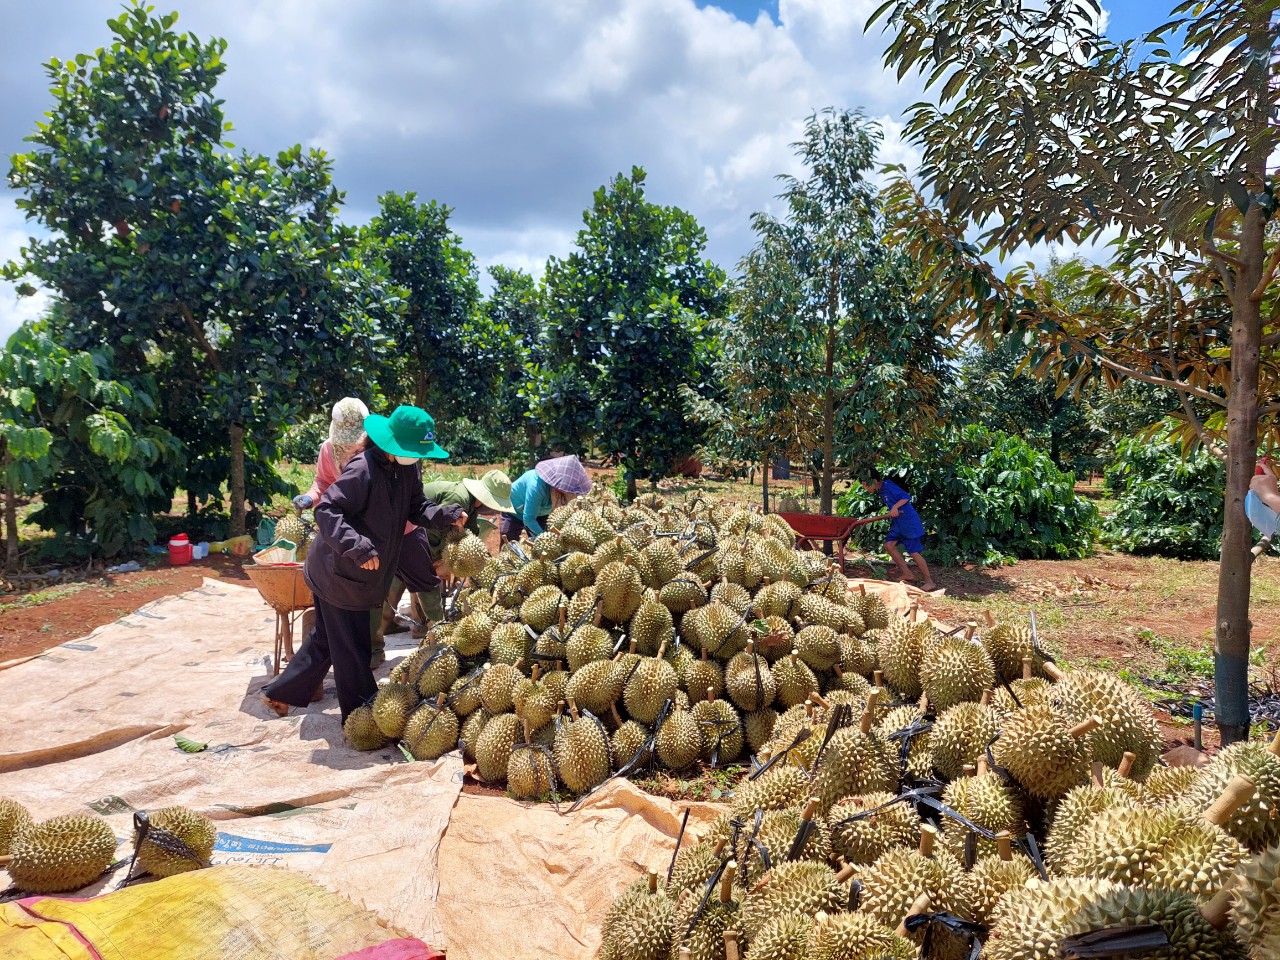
(513, 111)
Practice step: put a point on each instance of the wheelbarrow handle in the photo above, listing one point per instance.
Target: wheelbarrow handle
(865, 520)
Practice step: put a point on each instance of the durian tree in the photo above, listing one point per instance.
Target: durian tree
(835, 349)
(1043, 131)
(626, 314)
(176, 254)
(514, 309)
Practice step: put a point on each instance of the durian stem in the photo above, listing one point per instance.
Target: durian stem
(653, 881)
(1027, 668)
(928, 837)
(1085, 727)
(991, 621)
(970, 629)
(877, 678)
(862, 589)
(983, 768)
(1126, 764)
(518, 664)
(987, 694)
(563, 614)
(525, 723)
(810, 810)
(821, 701)
(1004, 845)
(731, 945)
(4, 861)
(921, 905)
(1095, 771)
(923, 703)
(911, 614)
(440, 702)
(795, 655)
(846, 872)
(711, 694)
(573, 708)
(839, 670)
(1237, 793)
(726, 881)
(613, 707)
(764, 755)
(662, 650)
(685, 952)
(968, 770)
(1216, 910)
(719, 847)
(1054, 672)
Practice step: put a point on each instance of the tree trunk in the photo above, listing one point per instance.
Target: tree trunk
(631, 486)
(421, 384)
(829, 396)
(237, 480)
(764, 485)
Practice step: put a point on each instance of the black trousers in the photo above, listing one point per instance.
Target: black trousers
(341, 638)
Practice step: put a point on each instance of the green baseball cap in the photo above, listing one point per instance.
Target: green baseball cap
(408, 432)
(493, 490)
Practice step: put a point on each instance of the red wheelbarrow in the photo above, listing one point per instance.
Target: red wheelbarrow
(814, 529)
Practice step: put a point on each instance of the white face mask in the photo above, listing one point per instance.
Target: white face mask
(406, 461)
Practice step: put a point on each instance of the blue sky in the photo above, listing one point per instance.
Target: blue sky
(512, 111)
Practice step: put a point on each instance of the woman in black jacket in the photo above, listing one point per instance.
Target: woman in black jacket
(360, 523)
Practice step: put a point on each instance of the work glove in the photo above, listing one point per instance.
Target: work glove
(303, 502)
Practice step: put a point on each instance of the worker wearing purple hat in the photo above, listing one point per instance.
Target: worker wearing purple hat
(550, 484)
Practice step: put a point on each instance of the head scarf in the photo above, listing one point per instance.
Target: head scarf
(346, 429)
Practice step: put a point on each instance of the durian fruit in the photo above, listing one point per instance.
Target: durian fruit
(616, 548)
(782, 938)
(627, 741)
(871, 608)
(550, 646)
(779, 561)
(652, 684)
(1256, 823)
(798, 887)
(720, 728)
(532, 701)
(781, 599)
(703, 933)
(1027, 923)
(663, 563)
(640, 925)
(596, 686)
(955, 670)
(509, 643)
(467, 557)
(818, 646)
(781, 786)
(1190, 935)
(587, 644)
(960, 736)
(919, 758)
(847, 681)
(1256, 907)
(700, 673)
(1170, 784)
(1128, 724)
(679, 740)
(541, 609)
(361, 731)
(777, 834)
(1008, 646)
(161, 858)
(758, 727)
(497, 684)
(581, 751)
(1167, 848)
(585, 531)
(584, 607)
(13, 818)
(556, 681)
(856, 655)
(1045, 755)
(471, 731)
(987, 800)
(856, 936)
(538, 572)
(392, 706)
(493, 748)
(715, 628)
(893, 884)
(857, 761)
(576, 572)
(796, 682)
(682, 594)
(749, 681)
(1030, 693)
(464, 694)
(547, 544)
(995, 875)
(530, 769)
(435, 671)
(471, 635)
(61, 854)
(432, 730)
(621, 591)
(901, 653)
(1077, 810)
(292, 528)
(819, 611)
(777, 639)
(651, 624)
(862, 838)
(734, 596)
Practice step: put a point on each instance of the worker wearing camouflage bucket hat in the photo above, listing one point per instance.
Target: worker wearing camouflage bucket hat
(364, 538)
(550, 484)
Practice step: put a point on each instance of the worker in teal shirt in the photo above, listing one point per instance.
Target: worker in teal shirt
(550, 484)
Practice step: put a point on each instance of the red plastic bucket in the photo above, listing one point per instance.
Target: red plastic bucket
(179, 550)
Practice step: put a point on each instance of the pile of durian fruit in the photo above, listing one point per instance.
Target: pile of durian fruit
(68, 852)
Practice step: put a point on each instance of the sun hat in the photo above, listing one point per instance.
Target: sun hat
(565, 473)
(408, 432)
(346, 424)
(493, 490)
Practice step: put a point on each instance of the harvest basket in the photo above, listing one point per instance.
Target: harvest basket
(286, 592)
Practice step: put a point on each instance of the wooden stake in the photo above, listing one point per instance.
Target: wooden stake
(1085, 727)
(921, 905)
(1004, 845)
(1237, 793)
(1126, 764)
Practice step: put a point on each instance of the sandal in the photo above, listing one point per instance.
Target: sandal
(278, 707)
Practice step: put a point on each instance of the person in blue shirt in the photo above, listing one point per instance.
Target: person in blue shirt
(906, 529)
(550, 484)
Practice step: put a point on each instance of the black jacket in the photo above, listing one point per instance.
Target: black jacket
(362, 515)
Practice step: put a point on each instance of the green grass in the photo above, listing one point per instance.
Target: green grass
(43, 596)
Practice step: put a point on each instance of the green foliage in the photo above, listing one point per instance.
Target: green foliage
(1167, 503)
(468, 441)
(989, 498)
(514, 309)
(627, 315)
(300, 443)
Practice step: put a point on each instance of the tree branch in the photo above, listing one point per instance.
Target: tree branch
(1268, 274)
(1185, 399)
(198, 330)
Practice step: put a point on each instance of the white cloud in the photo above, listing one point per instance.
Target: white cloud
(15, 310)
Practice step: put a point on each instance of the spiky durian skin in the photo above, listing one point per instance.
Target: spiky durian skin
(472, 728)
(464, 694)
(530, 772)
(587, 644)
(919, 750)
(706, 940)
(61, 854)
(576, 572)
(698, 675)
(435, 670)
(796, 682)
(1167, 785)
(750, 683)
(582, 753)
(1190, 935)
(621, 591)
(13, 818)
(1038, 749)
(758, 726)
(471, 635)
(533, 701)
(679, 741)
(694, 866)
(653, 683)
(497, 685)
(1256, 824)
(493, 749)
(782, 938)
(1073, 813)
(392, 706)
(1030, 693)
(955, 670)
(857, 656)
(960, 736)
(431, 733)
(795, 887)
(856, 936)
(651, 624)
(1256, 908)
(627, 741)
(989, 802)
(782, 785)
(819, 646)
(1007, 646)
(721, 730)
(867, 838)
(639, 926)
(361, 731)
(1167, 848)
(871, 608)
(1128, 723)
(467, 557)
(778, 830)
(991, 878)
(855, 763)
(195, 830)
(541, 609)
(901, 653)
(1027, 923)
(891, 885)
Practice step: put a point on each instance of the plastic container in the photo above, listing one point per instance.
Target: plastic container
(200, 550)
(179, 550)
